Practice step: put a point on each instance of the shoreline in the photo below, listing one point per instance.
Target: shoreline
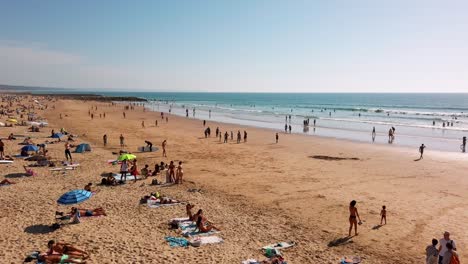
(337, 133)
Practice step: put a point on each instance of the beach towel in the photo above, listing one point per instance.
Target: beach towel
(179, 219)
(156, 204)
(146, 149)
(6, 161)
(177, 241)
(351, 260)
(193, 232)
(117, 176)
(254, 261)
(280, 245)
(187, 225)
(206, 240)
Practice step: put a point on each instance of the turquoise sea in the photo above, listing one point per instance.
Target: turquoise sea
(437, 120)
(417, 118)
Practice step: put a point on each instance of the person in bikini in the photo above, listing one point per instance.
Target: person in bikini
(172, 171)
(204, 228)
(94, 212)
(179, 173)
(59, 248)
(353, 217)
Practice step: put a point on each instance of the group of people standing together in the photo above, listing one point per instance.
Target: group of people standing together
(219, 134)
(442, 251)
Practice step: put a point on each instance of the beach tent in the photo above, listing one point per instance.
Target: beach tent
(82, 148)
(57, 135)
(29, 148)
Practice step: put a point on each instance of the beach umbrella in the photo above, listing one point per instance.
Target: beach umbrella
(127, 157)
(29, 148)
(57, 135)
(74, 197)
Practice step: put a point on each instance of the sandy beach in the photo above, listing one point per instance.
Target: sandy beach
(258, 193)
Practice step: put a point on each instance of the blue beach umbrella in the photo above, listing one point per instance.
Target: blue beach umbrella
(74, 197)
(29, 148)
(57, 135)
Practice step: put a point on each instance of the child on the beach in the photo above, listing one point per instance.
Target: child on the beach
(383, 215)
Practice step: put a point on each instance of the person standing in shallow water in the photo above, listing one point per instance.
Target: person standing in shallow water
(373, 134)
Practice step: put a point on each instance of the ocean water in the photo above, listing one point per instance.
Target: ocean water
(417, 118)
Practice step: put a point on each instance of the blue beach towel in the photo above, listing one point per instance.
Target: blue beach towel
(177, 241)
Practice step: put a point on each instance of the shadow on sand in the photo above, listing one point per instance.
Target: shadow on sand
(340, 241)
(377, 227)
(16, 175)
(39, 229)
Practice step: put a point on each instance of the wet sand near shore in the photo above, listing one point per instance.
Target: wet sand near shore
(257, 192)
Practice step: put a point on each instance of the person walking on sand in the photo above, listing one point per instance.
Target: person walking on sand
(238, 136)
(245, 136)
(226, 137)
(285, 128)
(164, 143)
(143, 124)
(2, 149)
(373, 134)
(421, 150)
(67, 152)
(443, 243)
(156, 123)
(432, 254)
(124, 115)
(232, 135)
(383, 215)
(204, 122)
(104, 139)
(353, 217)
(171, 170)
(277, 137)
(122, 141)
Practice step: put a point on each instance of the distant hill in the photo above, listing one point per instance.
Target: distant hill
(5, 87)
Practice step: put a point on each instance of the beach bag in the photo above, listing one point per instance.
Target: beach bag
(454, 259)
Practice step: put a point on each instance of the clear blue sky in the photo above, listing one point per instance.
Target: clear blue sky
(242, 45)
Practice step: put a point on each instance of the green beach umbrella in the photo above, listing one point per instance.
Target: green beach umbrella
(127, 157)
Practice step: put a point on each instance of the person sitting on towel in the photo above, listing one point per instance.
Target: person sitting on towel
(202, 228)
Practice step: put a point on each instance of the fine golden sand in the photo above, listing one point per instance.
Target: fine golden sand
(257, 192)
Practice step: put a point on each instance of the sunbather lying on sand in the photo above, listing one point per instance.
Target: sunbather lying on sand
(59, 248)
(64, 258)
(165, 200)
(91, 212)
(6, 182)
(205, 228)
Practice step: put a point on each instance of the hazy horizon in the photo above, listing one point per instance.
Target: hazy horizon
(242, 46)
